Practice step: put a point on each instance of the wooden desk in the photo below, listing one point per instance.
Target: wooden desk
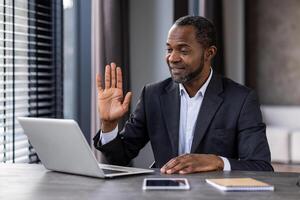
(34, 182)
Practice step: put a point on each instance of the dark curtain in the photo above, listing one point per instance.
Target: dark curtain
(181, 8)
(251, 20)
(213, 11)
(114, 29)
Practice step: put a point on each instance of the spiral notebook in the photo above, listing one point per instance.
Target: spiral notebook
(240, 184)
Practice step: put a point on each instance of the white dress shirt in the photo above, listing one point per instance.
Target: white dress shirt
(189, 109)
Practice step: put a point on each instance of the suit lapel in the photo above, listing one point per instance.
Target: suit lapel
(170, 104)
(209, 107)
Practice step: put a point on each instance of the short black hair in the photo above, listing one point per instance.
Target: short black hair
(205, 29)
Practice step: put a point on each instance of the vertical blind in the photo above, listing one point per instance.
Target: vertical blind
(31, 70)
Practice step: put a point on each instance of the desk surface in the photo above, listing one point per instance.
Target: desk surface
(25, 181)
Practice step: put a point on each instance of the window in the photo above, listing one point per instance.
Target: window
(30, 70)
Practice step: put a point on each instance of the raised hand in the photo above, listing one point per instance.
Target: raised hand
(112, 105)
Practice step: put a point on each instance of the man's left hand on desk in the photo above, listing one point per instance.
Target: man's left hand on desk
(192, 163)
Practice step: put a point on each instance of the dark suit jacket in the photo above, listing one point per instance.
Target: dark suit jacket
(229, 124)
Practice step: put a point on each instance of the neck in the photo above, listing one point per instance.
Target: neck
(193, 86)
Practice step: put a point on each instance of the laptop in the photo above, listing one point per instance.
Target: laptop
(62, 147)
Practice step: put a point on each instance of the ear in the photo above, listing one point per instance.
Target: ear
(210, 52)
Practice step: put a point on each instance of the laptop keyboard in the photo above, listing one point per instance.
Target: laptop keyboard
(109, 171)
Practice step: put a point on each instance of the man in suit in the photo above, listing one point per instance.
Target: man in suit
(195, 121)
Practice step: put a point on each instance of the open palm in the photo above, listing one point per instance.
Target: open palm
(111, 106)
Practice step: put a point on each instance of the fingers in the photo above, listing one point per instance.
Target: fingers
(177, 168)
(174, 165)
(107, 76)
(126, 101)
(98, 83)
(113, 75)
(119, 78)
(168, 165)
(187, 170)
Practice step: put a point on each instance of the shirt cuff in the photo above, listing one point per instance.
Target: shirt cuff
(227, 166)
(109, 136)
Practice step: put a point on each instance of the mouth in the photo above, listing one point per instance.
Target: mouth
(177, 70)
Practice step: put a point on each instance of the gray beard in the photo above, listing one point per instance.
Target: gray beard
(188, 78)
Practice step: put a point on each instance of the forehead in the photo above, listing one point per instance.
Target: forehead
(182, 35)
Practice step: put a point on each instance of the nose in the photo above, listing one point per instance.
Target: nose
(174, 57)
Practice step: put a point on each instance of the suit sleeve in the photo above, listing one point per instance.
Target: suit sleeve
(130, 140)
(253, 148)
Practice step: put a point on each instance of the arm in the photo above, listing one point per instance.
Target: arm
(253, 148)
(129, 141)
(125, 146)
(112, 106)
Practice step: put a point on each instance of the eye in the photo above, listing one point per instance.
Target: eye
(185, 52)
(169, 50)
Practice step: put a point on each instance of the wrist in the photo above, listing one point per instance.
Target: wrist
(219, 163)
(108, 126)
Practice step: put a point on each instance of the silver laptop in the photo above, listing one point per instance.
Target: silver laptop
(62, 147)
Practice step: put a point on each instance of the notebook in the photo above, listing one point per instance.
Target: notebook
(62, 147)
(240, 184)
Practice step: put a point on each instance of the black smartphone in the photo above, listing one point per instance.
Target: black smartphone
(166, 184)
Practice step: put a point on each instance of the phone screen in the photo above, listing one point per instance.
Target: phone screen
(159, 183)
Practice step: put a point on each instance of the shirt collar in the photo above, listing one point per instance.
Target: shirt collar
(201, 91)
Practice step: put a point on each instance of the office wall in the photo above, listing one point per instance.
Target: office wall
(233, 19)
(273, 50)
(149, 25)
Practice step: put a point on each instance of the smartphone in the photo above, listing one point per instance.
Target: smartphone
(166, 184)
